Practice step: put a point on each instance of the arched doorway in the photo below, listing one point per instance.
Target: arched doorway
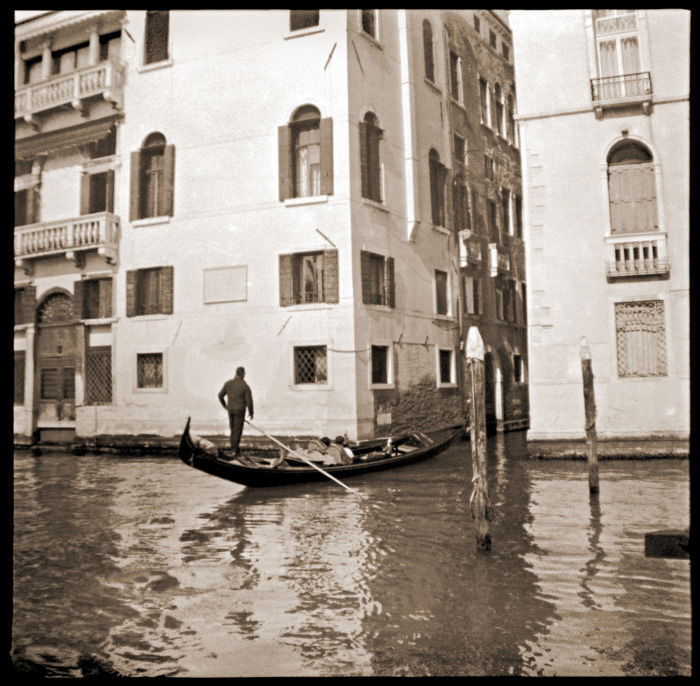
(56, 356)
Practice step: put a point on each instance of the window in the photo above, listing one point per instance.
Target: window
(505, 48)
(98, 376)
(498, 297)
(455, 76)
(493, 221)
(149, 370)
(518, 216)
(446, 367)
(369, 22)
(484, 99)
(378, 287)
(509, 301)
(510, 120)
(110, 46)
(505, 204)
(460, 202)
(498, 99)
(97, 192)
(489, 168)
(26, 206)
(22, 167)
(471, 296)
(105, 146)
(303, 19)
(94, 298)
(24, 305)
(442, 295)
(438, 175)
(370, 157)
(309, 277)
(477, 24)
(69, 59)
(152, 179)
(459, 152)
(380, 364)
(632, 189)
(492, 39)
(518, 376)
(641, 338)
(33, 70)
(156, 36)
(310, 364)
(149, 291)
(428, 51)
(306, 155)
(20, 363)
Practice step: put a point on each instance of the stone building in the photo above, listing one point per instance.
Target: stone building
(605, 150)
(329, 198)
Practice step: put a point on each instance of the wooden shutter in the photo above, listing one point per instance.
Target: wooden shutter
(326, 134)
(374, 135)
(390, 282)
(106, 297)
(33, 204)
(283, 152)
(135, 190)
(28, 304)
(365, 273)
(79, 297)
(364, 161)
(84, 193)
(131, 278)
(286, 280)
(330, 276)
(166, 290)
(167, 188)
(109, 191)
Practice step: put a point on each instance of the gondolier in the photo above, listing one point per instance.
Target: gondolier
(238, 398)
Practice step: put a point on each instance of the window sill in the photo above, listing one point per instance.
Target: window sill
(441, 229)
(458, 103)
(378, 308)
(444, 317)
(306, 307)
(378, 205)
(150, 390)
(451, 384)
(155, 65)
(311, 387)
(148, 317)
(150, 221)
(308, 200)
(23, 327)
(370, 38)
(99, 321)
(382, 387)
(308, 31)
(434, 86)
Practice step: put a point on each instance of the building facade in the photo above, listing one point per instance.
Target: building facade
(329, 198)
(605, 151)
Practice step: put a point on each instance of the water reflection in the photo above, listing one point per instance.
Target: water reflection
(151, 569)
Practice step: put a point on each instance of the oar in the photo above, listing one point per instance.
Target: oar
(303, 459)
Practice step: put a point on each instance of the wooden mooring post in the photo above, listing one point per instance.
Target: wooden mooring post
(479, 500)
(589, 403)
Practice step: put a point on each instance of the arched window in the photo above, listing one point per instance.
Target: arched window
(498, 99)
(438, 174)
(428, 50)
(370, 157)
(306, 155)
(152, 178)
(632, 189)
(56, 307)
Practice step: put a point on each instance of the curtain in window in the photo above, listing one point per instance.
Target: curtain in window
(630, 55)
(308, 163)
(311, 278)
(608, 59)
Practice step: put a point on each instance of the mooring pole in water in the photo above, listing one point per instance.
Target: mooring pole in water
(589, 403)
(479, 500)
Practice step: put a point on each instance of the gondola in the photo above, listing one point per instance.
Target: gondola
(259, 472)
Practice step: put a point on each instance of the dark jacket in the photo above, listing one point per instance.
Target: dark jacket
(238, 395)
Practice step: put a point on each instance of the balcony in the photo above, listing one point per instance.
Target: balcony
(636, 255)
(620, 91)
(104, 79)
(469, 250)
(71, 238)
(499, 260)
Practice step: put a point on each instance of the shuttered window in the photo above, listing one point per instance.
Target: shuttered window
(25, 304)
(306, 155)
(308, 277)
(94, 297)
(428, 50)
(641, 338)
(149, 291)
(632, 191)
(303, 19)
(20, 364)
(152, 179)
(97, 192)
(438, 176)
(156, 36)
(378, 286)
(370, 157)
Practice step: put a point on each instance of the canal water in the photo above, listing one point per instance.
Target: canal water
(141, 566)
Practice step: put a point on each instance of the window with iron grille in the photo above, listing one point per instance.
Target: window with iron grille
(641, 338)
(445, 361)
(310, 364)
(442, 299)
(380, 364)
(20, 362)
(149, 370)
(156, 35)
(98, 376)
(303, 19)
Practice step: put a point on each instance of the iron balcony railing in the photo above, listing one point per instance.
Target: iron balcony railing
(621, 87)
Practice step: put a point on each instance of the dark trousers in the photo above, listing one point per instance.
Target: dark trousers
(235, 422)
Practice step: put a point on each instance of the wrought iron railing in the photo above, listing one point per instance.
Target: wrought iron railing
(621, 87)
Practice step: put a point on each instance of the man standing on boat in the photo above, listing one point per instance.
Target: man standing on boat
(239, 397)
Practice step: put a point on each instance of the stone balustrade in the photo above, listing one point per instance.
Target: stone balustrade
(637, 254)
